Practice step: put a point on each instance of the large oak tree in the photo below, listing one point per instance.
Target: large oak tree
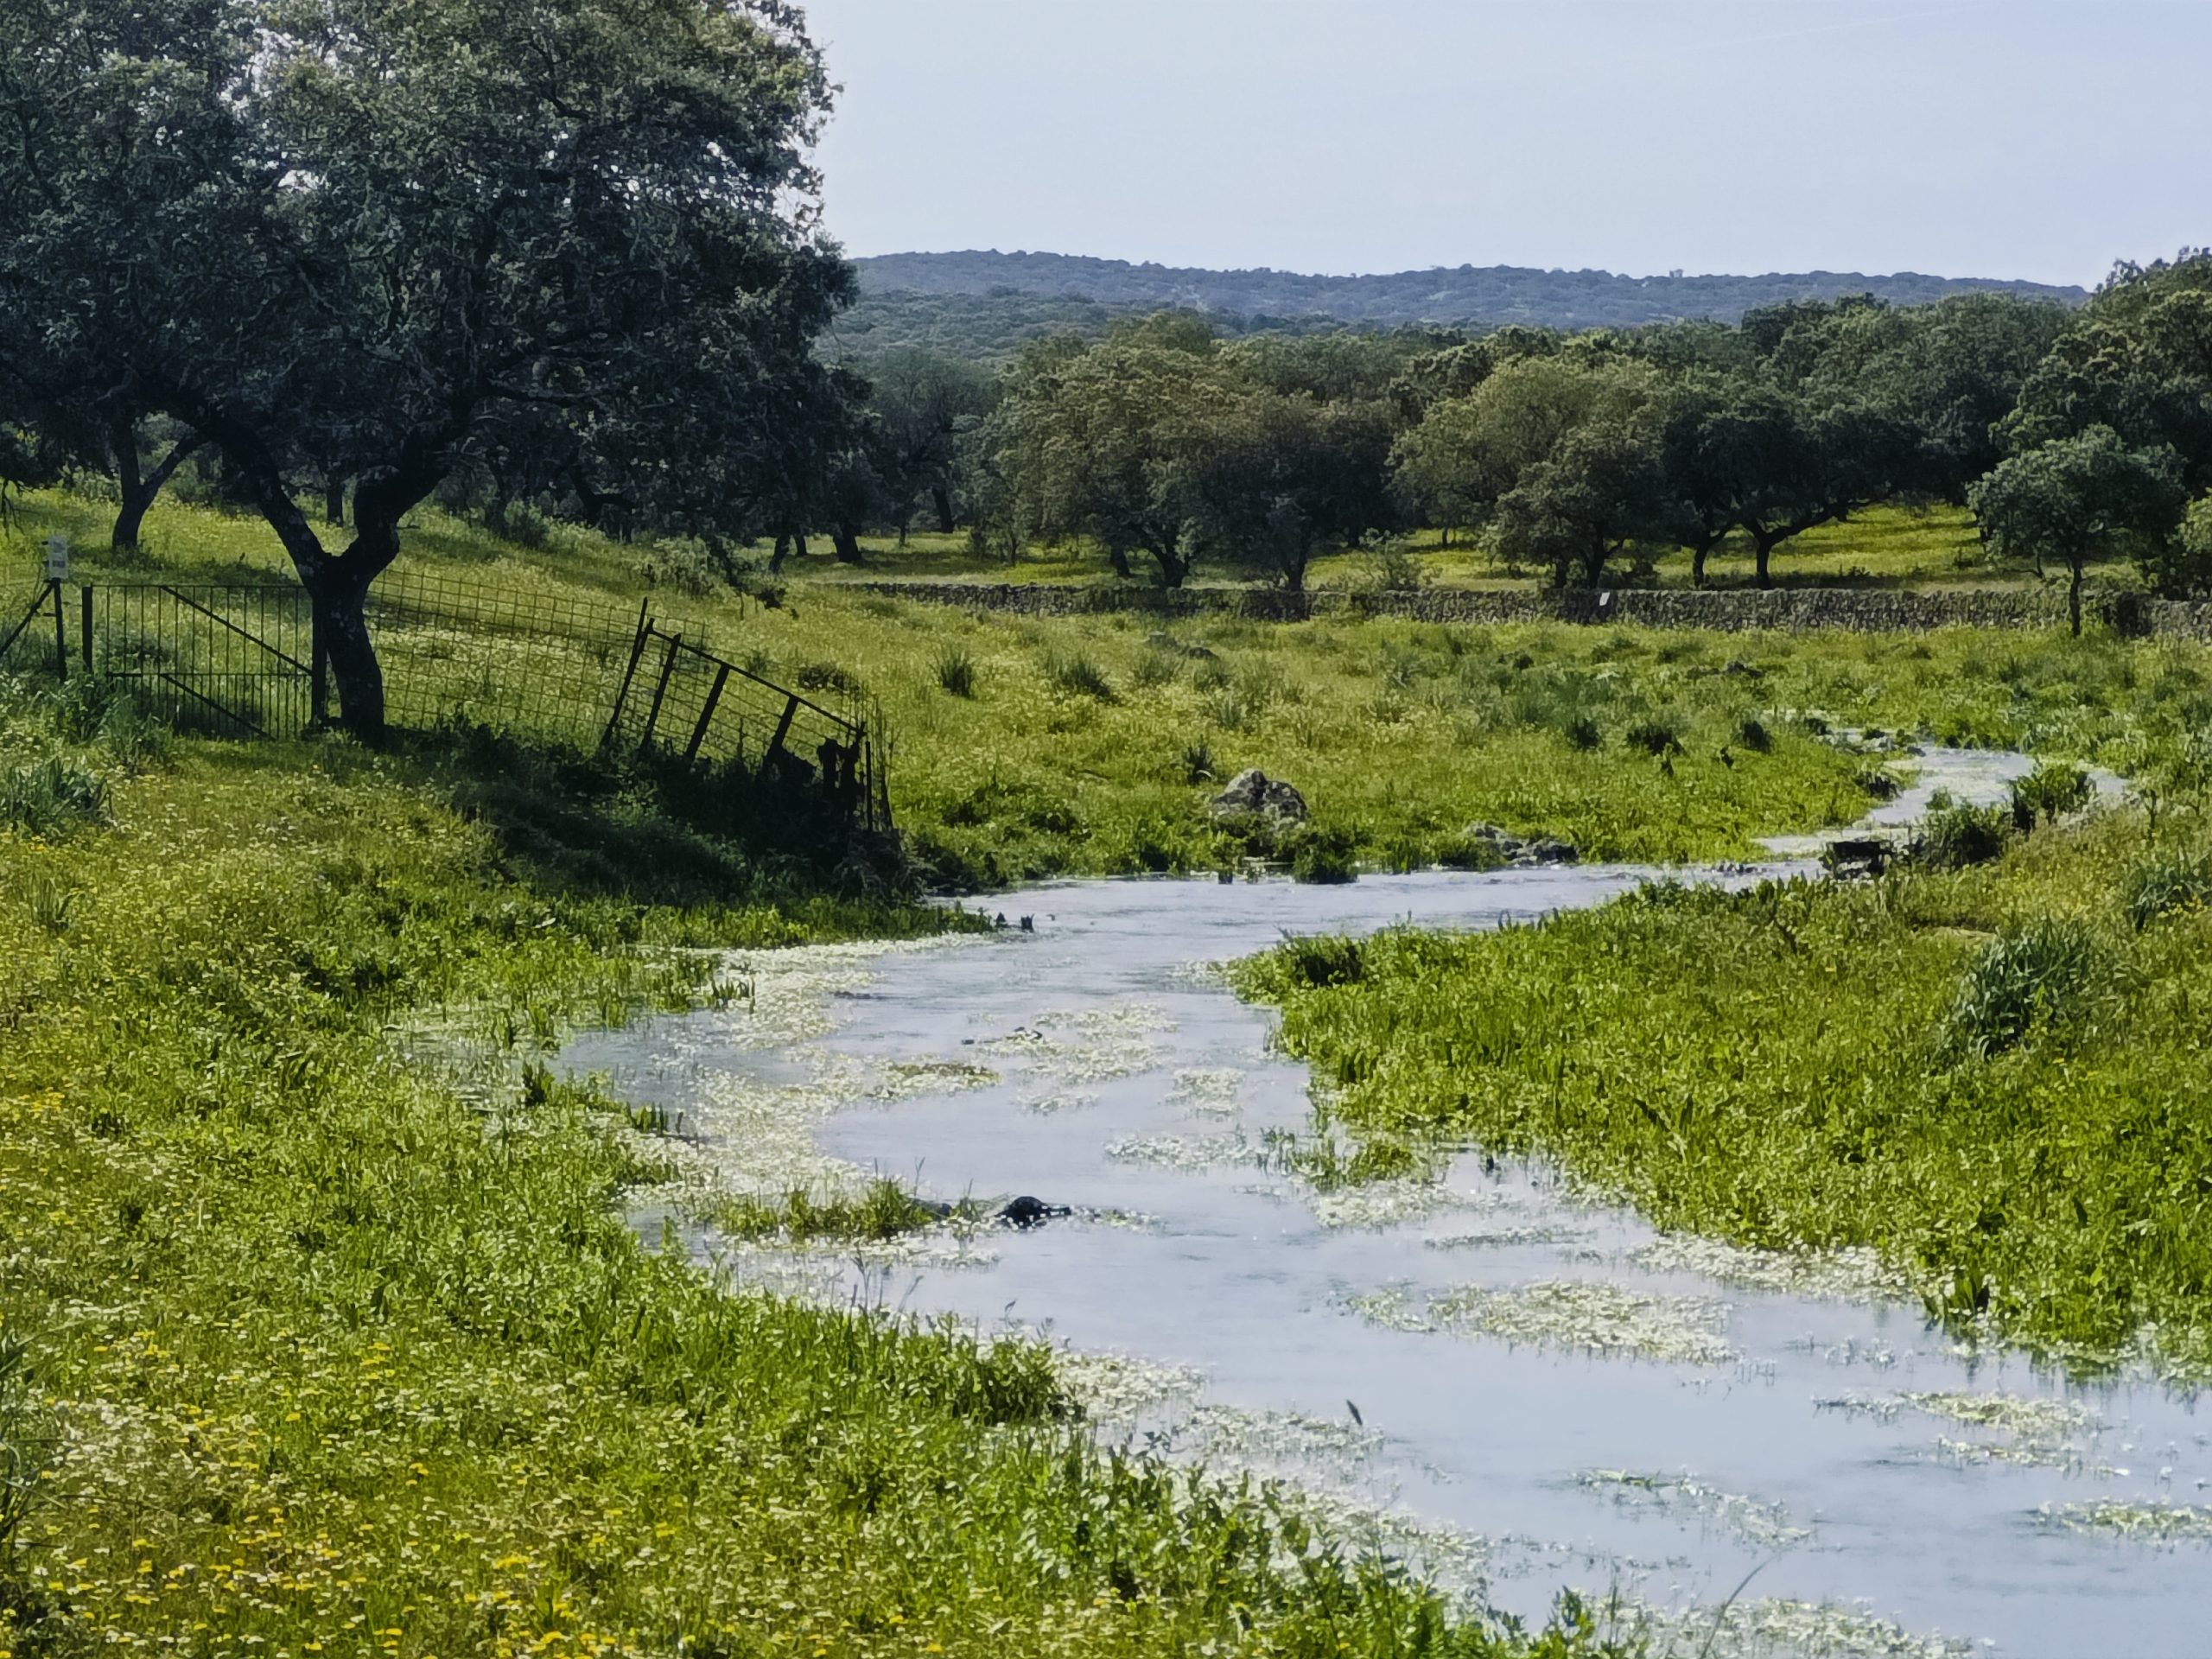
(362, 236)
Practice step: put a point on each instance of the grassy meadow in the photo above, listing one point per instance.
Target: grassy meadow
(1028, 747)
(1932, 549)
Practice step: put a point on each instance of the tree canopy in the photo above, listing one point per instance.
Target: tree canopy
(2075, 499)
(323, 237)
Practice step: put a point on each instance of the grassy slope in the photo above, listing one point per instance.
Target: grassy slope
(337, 1361)
(1803, 1066)
(1401, 734)
(1883, 547)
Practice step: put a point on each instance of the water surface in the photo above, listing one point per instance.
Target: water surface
(1653, 1419)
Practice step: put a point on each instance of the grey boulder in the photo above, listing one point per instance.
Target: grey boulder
(1253, 790)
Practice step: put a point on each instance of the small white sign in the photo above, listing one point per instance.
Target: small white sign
(57, 558)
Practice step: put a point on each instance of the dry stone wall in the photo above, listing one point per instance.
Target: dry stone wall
(1734, 610)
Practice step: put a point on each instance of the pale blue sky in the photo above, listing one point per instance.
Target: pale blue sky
(2029, 138)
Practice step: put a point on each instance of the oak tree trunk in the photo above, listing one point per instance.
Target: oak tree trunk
(847, 540)
(339, 599)
(942, 498)
(139, 489)
(123, 445)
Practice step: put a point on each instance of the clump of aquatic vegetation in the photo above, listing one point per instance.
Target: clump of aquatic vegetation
(1589, 1315)
(884, 1210)
(1982, 1073)
(2152, 1523)
(1761, 1525)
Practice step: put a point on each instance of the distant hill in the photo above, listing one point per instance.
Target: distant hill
(984, 303)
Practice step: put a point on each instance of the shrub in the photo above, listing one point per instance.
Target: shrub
(1157, 668)
(1324, 856)
(1954, 835)
(686, 564)
(826, 676)
(47, 796)
(1752, 733)
(1656, 734)
(1391, 566)
(51, 903)
(1197, 762)
(2171, 883)
(1582, 732)
(1316, 962)
(2048, 792)
(956, 672)
(2037, 975)
(1079, 676)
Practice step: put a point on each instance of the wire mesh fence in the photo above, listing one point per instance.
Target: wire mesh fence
(238, 659)
(548, 665)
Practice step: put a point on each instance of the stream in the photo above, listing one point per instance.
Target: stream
(1522, 1388)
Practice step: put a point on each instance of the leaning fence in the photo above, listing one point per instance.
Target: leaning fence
(239, 659)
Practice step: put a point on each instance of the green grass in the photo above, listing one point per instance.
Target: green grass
(1935, 549)
(1993, 1075)
(327, 1354)
(1064, 745)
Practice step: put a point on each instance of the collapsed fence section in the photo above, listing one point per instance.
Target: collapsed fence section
(677, 698)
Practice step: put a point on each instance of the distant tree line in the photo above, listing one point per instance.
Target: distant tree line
(1474, 296)
(2074, 434)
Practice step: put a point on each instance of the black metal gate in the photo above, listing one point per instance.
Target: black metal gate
(227, 658)
(231, 659)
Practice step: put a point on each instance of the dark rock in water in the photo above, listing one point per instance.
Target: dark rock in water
(1857, 855)
(1546, 851)
(1253, 790)
(1026, 1212)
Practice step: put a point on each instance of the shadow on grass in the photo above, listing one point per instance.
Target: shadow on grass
(656, 832)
